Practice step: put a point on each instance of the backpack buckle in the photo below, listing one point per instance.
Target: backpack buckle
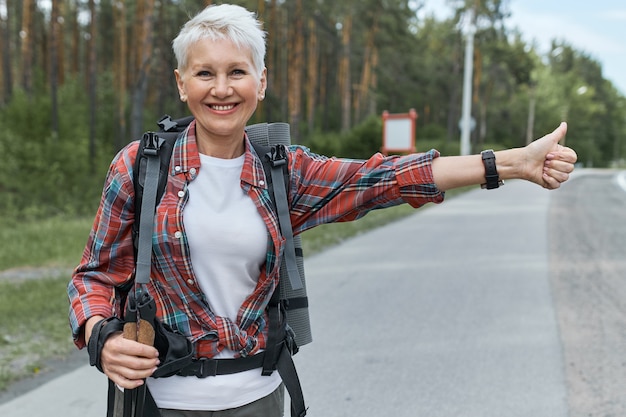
(166, 123)
(207, 367)
(277, 156)
(152, 143)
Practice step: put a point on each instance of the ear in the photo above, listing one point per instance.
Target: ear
(181, 85)
(262, 84)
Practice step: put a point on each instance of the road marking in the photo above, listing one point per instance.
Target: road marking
(621, 180)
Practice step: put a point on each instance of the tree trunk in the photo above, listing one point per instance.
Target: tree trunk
(92, 85)
(5, 44)
(143, 46)
(296, 65)
(54, 65)
(324, 99)
(363, 91)
(283, 58)
(345, 80)
(260, 9)
(313, 75)
(480, 133)
(530, 122)
(27, 46)
(60, 31)
(120, 70)
(259, 114)
(453, 107)
(373, 86)
(75, 66)
(273, 89)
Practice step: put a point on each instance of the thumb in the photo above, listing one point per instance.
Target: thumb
(558, 135)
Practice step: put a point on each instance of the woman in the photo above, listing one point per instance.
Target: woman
(213, 268)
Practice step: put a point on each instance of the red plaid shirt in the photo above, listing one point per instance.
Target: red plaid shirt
(322, 190)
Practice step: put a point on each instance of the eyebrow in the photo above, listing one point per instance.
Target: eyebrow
(230, 65)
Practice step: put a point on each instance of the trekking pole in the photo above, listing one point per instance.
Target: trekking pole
(141, 307)
(139, 327)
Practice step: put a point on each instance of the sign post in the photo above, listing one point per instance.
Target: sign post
(399, 132)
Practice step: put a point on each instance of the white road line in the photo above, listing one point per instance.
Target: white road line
(621, 180)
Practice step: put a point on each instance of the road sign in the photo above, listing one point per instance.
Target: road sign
(399, 132)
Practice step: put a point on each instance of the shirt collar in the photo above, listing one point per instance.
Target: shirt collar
(186, 159)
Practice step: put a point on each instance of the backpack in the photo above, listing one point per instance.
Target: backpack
(266, 140)
(289, 300)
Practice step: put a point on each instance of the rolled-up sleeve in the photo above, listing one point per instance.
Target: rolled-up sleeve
(108, 258)
(414, 175)
(327, 190)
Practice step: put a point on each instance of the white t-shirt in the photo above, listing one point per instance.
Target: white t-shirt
(228, 243)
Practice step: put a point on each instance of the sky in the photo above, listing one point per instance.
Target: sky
(597, 28)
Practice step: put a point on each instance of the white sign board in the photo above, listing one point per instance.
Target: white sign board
(399, 132)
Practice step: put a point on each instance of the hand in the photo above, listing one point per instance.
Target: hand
(546, 162)
(128, 363)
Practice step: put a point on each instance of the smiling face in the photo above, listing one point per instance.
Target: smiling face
(222, 88)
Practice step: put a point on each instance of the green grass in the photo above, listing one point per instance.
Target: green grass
(51, 242)
(33, 312)
(33, 326)
(327, 235)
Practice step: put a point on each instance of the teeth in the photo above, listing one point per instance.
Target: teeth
(223, 108)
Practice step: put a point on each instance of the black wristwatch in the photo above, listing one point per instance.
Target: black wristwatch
(492, 179)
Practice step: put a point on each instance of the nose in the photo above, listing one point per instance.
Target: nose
(221, 87)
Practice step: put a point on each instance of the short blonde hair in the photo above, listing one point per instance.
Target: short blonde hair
(225, 21)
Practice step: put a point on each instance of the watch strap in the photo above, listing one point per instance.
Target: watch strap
(492, 179)
(101, 331)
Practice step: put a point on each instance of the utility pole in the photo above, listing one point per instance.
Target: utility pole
(470, 30)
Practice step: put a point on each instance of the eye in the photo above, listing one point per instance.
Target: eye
(238, 73)
(203, 74)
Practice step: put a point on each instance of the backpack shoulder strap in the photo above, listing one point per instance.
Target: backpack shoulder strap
(170, 130)
(283, 339)
(264, 137)
(274, 159)
(151, 151)
(277, 159)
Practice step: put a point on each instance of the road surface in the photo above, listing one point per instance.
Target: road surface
(498, 303)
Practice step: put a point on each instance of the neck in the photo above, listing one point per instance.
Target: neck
(222, 150)
(223, 147)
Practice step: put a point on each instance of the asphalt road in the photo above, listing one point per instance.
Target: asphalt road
(446, 313)
(496, 303)
(588, 277)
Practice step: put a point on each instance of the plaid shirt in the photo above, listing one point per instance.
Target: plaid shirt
(321, 190)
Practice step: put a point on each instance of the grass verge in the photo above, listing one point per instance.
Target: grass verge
(33, 326)
(50, 242)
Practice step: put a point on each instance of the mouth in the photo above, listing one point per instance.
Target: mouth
(222, 107)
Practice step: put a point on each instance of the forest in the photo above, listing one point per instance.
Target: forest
(79, 79)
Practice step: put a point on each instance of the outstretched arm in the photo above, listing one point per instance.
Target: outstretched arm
(543, 162)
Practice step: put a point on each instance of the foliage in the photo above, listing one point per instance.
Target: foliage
(361, 142)
(44, 173)
(419, 64)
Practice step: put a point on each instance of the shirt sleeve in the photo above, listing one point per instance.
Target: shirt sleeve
(327, 190)
(108, 258)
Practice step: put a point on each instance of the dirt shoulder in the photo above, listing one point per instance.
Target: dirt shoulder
(50, 368)
(27, 272)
